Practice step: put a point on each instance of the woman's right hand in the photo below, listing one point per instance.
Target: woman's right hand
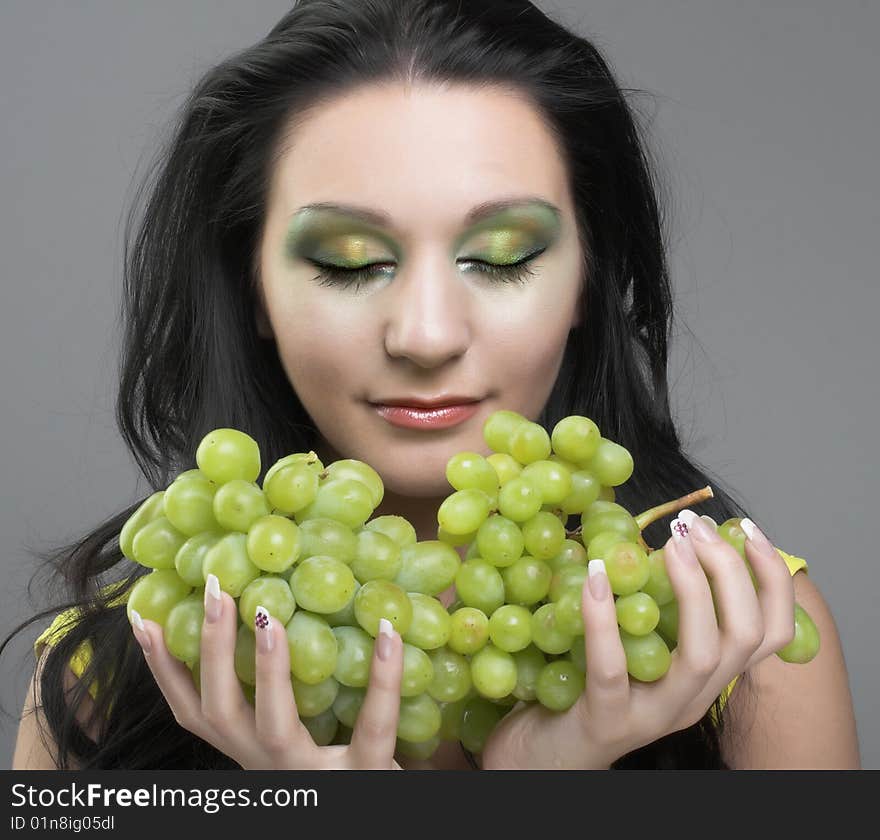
(270, 735)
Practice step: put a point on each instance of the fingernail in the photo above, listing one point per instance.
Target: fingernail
(213, 604)
(263, 629)
(385, 639)
(680, 536)
(697, 528)
(140, 632)
(756, 535)
(599, 585)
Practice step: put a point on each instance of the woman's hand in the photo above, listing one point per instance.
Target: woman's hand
(270, 735)
(615, 716)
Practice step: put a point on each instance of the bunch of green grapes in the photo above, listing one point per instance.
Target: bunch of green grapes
(303, 545)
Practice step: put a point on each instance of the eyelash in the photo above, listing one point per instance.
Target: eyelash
(334, 275)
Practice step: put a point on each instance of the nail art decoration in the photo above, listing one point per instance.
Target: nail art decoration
(261, 618)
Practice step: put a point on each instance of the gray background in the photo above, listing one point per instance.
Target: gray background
(766, 118)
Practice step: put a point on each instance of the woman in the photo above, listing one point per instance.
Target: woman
(442, 201)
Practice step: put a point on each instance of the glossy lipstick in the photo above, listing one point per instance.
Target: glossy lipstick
(427, 417)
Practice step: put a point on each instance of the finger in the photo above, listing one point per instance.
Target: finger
(278, 726)
(607, 680)
(375, 733)
(775, 591)
(224, 705)
(174, 679)
(698, 653)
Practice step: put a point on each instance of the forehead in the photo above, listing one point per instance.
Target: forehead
(418, 152)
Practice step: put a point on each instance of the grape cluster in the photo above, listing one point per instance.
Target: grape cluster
(304, 546)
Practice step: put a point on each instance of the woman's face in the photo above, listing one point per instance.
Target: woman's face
(428, 319)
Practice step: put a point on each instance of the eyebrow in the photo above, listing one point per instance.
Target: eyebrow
(476, 214)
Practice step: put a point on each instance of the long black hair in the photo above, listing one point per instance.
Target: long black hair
(192, 359)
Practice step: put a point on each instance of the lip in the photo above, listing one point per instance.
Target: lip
(441, 401)
(427, 417)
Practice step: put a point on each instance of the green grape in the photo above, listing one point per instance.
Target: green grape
(429, 628)
(272, 593)
(353, 469)
(238, 504)
(395, 527)
(575, 438)
(344, 499)
(228, 560)
(578, 653)
(310, 459)
(148, 510)
(505, 466)
(190, 557)
(585, 489)
(249, 691)
(354, 655)
(593, 524)
(493, 672)
(245, 655)
(322, 584)
(194, 473)
(572, 553)
(647, 657)
(312, 646)
(500, 541)
(732, 533)
(419, 718)
(322, 727)
(569, 613)
(546, 635)
(347, 705)
(479, 717)
(612, 463)
(455, 539)
(667, 625)
(479, 585)
(182, 630)
(273, 543)
(376, 556)
(313, 700)
(156, 593)
(345, 616)
(607, 494)
(805, 644)
(420, 751)
(428, 566)
(328, 538)
(519, 499)
(473, 551)
(499, 428)
(529, 663)
(559, 685)
(470, 470)
(378, 599)
(637, 614)
(343, 733)
(543, 535)
(450, 719)
(598, 546)
(627, 567)
(463, 511)
(156, 544)
(510, 628)
(568, 577)
(189, 504)
(527, 581)
(468, 630)
(552, 480)
(529, 443)
(291, 488)
(658, 585)
(228, 454)
(418, 671)
(451, 679)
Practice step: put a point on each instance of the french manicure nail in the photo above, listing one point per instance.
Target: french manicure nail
(385, 639)
(679, 529)
(140, 632)
(697, 528)
(263, 629)
(680, 536)
(756, 535)
(599, 585)
(213, 604)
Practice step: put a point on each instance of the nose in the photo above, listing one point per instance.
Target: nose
(428, 319)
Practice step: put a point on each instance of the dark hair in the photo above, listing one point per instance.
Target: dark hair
(192, 360)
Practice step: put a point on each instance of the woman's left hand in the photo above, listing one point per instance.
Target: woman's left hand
(615, 715)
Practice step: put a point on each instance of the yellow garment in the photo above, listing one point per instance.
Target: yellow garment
(81, 656)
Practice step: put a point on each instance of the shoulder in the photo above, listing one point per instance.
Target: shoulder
(793, 716)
